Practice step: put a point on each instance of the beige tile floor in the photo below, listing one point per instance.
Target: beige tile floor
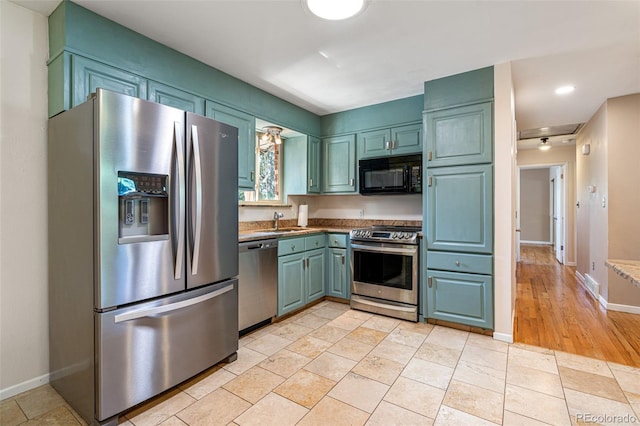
(330, 365)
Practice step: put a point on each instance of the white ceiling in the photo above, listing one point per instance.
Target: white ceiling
(389, 50)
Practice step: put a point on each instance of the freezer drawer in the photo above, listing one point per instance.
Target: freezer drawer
(148, 348)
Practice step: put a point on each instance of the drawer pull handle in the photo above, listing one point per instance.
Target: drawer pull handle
(430, 282)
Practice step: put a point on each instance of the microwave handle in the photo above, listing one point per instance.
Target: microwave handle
(407, 177)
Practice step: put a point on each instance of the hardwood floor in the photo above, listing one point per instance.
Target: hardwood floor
(554, 311)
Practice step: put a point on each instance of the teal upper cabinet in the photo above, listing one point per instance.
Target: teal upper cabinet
(313, 166)
(407, 139)
(301, 165)
(339, 164)
(395, 141)
(460, 89)
(461, 135)
(176, 98)
(460, 209)
(89, 75)
(246, 125)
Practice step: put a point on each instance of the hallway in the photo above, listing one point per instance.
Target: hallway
(554, 311)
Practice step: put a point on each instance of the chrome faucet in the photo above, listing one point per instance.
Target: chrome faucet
(276, 217)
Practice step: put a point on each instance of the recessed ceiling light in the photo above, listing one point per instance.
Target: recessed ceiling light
(335, 10)
(564, 90)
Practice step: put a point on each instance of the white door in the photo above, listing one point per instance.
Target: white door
(558, 213)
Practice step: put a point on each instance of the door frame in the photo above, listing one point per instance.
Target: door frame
(563, 228)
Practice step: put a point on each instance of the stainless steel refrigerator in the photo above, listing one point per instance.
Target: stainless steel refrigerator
(143, 251)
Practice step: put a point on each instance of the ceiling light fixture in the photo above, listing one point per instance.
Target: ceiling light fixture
(335, 10)
(544, 144)
(271, 135)
(565, 90)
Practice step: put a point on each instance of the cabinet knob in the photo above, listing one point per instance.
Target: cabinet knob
(457, 263)
(343, 259)
(293, 247)
(352, 181)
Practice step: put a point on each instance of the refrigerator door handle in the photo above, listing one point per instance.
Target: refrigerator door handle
(178, 132)
(197, 165)
(142, 313)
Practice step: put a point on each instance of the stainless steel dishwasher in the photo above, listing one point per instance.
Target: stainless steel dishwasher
(258, 282)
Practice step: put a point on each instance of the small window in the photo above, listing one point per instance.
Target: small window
(268, 171)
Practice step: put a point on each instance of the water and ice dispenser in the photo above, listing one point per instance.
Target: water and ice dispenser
(143, 207)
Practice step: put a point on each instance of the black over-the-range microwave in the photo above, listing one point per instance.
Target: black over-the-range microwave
(391, 175)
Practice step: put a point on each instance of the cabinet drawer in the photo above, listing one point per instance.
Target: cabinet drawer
(314, 242)
(460, 262)
(337, 240)
(290, 245)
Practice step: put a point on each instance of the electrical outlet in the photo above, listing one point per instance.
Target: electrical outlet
(361, 214)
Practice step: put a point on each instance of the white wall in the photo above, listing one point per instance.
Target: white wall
(592, 230)
(534, 205)
(375, 207)
(24, 348)
(559, 156)
(504, 194)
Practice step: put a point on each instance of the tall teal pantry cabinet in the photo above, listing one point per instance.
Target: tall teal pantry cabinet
(457, 278)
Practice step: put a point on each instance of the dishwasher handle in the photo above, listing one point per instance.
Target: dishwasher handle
(258, 245)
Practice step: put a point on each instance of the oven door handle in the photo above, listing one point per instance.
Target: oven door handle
(378, 249)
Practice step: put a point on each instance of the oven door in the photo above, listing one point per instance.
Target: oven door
(385, 271)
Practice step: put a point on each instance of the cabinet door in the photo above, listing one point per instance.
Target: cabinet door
(337, 272)
(459, 209)
(291, 283)
(376, 143)
(313, 166)
(89, 75)
(176, 98)
(339, 164)
(407, 139)
(246, 125)
(461, 298)
(462, 135)
(315, 270)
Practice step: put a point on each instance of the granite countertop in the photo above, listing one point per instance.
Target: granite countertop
(627, 269)
(263, 234)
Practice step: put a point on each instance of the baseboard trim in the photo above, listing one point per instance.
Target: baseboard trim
(503, 337)
(536, 243)
(623, 308)
(24, 386)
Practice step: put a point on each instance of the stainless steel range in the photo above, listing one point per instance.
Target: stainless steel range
(384, 271)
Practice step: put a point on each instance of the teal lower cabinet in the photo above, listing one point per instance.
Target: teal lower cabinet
(337, 266)
(459, 297)
(337, 273)
(301, 274)
(291, 278)
(314, 272)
